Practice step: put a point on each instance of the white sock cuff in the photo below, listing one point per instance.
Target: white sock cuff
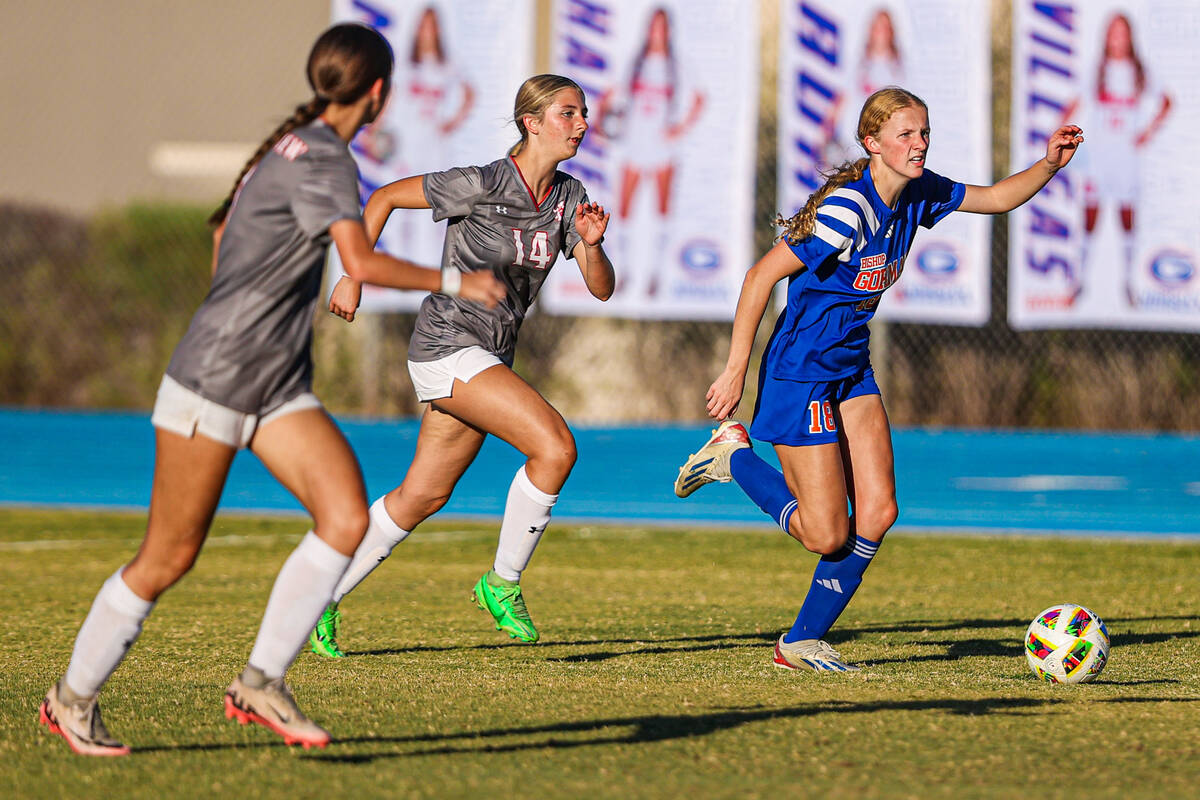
(118, 594)
(521, 481)
(321, 555)
(384, 521)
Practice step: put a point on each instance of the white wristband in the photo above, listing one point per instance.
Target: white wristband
(451, 282)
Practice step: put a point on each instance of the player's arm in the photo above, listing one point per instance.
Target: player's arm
(591, 221)
(364, 265)
(1002, 197)
(1163, 109)
(404, 193)
(726, 392)
(217, 233)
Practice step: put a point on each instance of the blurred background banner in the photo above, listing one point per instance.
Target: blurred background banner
(106, 253)
(672, 91)
(1114, 242)
(458, 67)
(833, 55)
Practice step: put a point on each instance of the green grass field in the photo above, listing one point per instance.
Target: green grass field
(653, 679)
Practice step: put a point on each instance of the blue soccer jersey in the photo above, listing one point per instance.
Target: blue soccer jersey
(856, 251)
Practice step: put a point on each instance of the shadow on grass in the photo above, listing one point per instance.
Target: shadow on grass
(954, 648)
(662, 727)
(649, 728)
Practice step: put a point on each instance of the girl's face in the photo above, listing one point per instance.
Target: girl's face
(903, 141)
(427, 33)
(881, 35)
(659, 36)
(1118, 41)
(562, 124)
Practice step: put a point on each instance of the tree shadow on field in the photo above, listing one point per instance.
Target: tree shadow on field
(663, 727)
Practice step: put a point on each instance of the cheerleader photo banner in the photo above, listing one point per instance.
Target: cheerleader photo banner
(672, 94)
(832, 56)
(1113, 241)
(458, 67)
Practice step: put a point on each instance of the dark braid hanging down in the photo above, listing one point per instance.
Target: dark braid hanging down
(345, 61)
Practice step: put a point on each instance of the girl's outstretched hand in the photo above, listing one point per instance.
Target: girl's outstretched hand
(1060, 149)
(591, 221)
(725, 394)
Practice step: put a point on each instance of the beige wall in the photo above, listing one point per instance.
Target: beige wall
(90, 87)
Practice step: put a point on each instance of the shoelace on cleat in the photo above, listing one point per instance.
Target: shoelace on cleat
(516, 602)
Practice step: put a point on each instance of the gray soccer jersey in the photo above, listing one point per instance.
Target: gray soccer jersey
(497, 224)
(249, 345)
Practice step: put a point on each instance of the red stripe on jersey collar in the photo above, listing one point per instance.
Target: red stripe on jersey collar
(536, 203)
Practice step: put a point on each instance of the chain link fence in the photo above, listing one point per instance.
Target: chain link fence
(95, 306)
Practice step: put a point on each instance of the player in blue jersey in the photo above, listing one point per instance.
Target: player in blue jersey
(818, 403)
(242, 378)
(511, 218)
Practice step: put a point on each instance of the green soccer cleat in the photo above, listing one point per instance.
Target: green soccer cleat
(323, 639)
(503, 600)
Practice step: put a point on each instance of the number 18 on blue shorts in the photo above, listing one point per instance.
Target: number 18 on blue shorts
(798, 413)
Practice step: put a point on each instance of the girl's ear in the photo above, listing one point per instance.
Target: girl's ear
(872, 145)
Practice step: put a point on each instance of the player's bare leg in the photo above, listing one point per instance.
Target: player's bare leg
(189, 475)
(307, 453)
(858, 467)
(1091, 214)
(1127, 251)
(489, 402)
(446, 446)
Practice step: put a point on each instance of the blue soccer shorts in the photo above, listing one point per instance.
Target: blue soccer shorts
(798, 413)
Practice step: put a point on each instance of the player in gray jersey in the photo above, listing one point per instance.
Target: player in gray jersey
(242, 377)
(510, 218)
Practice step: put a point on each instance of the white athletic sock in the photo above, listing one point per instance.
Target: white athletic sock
(382, 536)
(301, 592)
(110, 629)
(526, 515)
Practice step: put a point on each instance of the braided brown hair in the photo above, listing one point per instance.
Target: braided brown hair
(344, 63)
(876, 111)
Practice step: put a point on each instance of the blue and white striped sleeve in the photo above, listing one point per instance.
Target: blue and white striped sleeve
(837, 233)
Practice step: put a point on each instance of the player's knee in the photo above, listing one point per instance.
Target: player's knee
(558, 453)
(342, 528)
(825, 536)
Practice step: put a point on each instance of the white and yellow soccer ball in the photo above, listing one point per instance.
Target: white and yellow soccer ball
(1066, 643)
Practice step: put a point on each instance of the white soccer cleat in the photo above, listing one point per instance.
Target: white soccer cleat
(711, 463)
(252, 698)
(79, 722)
(814, 654)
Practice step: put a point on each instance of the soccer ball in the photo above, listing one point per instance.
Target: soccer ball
(1066, 644)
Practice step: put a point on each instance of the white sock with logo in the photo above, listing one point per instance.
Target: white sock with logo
(382, 537)
(301, 592)
(526, 515)
(110, 629)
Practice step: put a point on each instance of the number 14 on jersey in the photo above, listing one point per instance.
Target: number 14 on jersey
(539, 249)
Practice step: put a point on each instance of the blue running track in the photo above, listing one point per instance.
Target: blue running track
(951, 480)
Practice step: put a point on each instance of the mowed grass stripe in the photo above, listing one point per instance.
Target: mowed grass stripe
(654, 677)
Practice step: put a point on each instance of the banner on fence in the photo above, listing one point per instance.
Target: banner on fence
(1113, 241)
(458, 67)
(832, 55)
(672, 91)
